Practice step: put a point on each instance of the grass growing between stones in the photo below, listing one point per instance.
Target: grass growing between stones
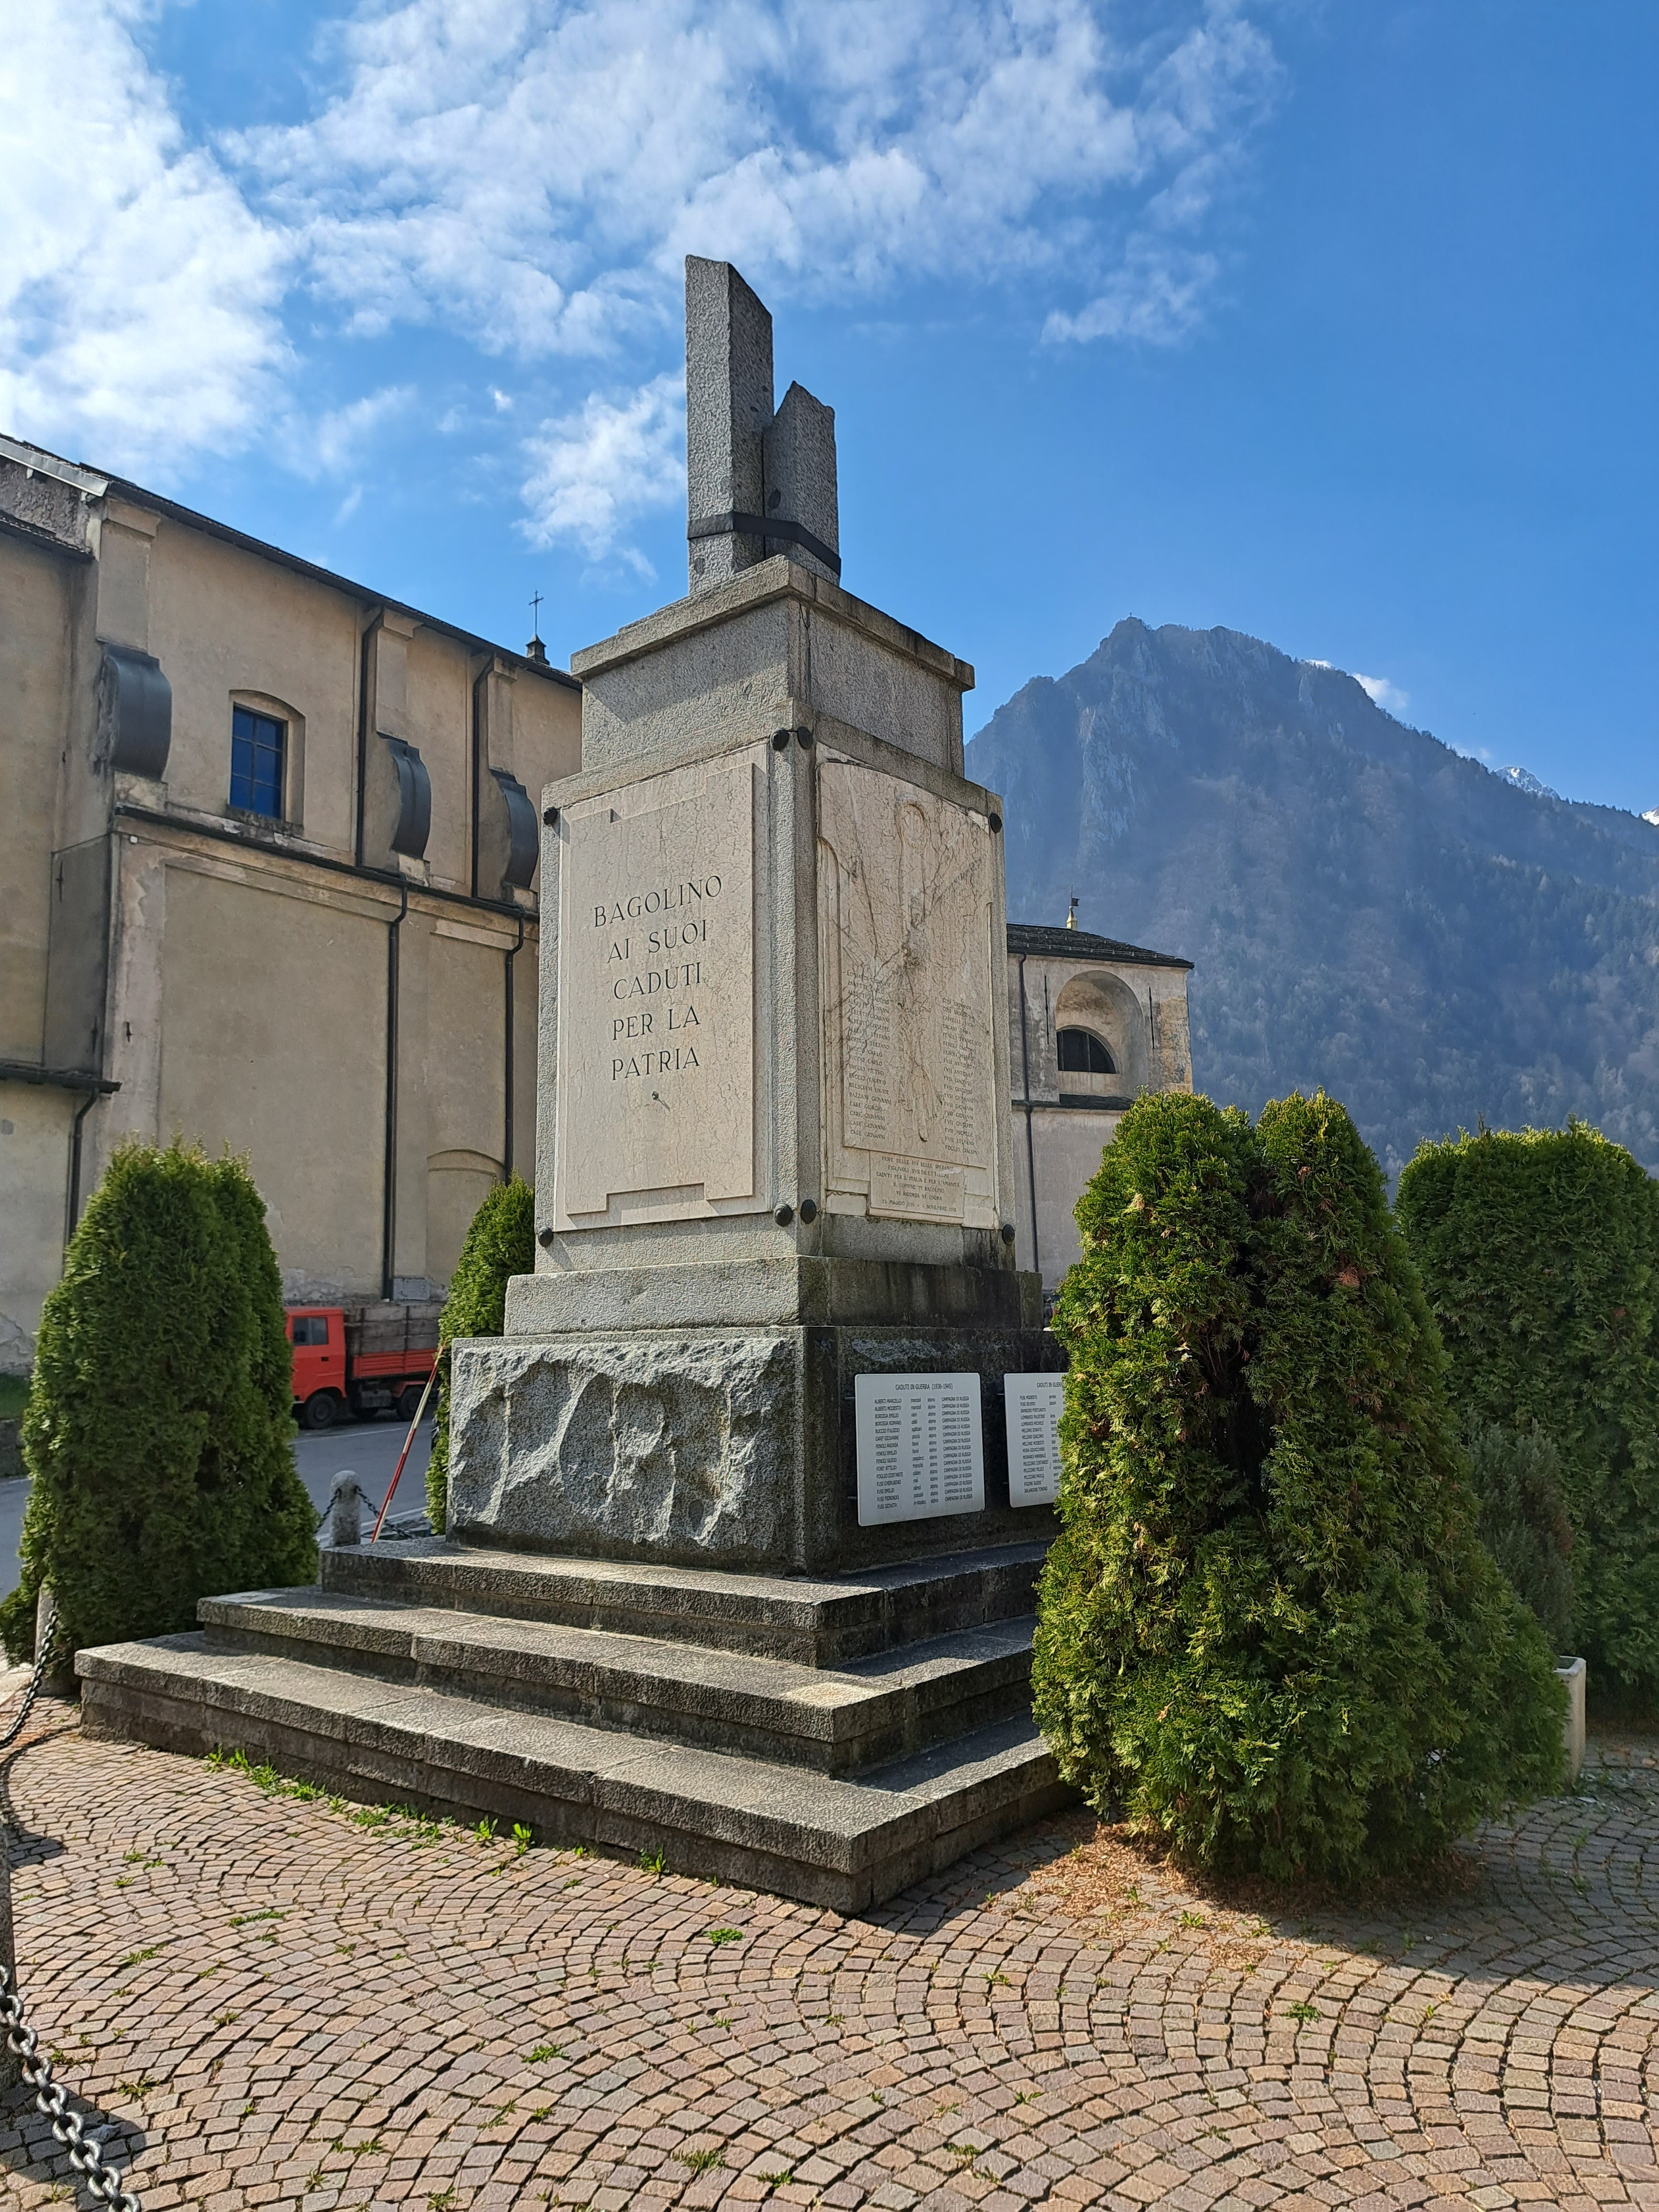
(400, 1823)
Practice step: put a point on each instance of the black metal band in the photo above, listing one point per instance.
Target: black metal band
(760, 525)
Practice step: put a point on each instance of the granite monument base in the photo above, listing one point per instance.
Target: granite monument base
(832, 1740)
(731, 1447)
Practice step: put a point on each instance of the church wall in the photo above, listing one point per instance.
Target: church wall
(1138, 1010)
(273, 1044)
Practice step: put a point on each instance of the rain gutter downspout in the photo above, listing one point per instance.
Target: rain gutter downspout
(72, 1210)
(1025, 1085)
(389, 1196)
(507, 1139)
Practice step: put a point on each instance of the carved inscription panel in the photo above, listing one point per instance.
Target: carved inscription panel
(656, 1042)
(905, 892)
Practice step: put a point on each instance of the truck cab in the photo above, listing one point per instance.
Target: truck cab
(318, 1336)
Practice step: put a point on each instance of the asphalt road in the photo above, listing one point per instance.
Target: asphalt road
(369, 1448)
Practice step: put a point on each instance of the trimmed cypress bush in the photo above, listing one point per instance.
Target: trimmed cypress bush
(158, 1429)
(501, 1242)
(1268, 1631)
(1537, 1249)
(1515, 1475)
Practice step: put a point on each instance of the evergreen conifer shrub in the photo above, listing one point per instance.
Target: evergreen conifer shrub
(1516, 1474)
(158, 1430)
(1537, 1249)
(501, 1242)
(1268, 1631)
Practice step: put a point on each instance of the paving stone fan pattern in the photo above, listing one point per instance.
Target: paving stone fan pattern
(270, 2000)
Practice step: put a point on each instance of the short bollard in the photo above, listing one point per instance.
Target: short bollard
(1574, 1674)
(345, 1509)
(57, 1681)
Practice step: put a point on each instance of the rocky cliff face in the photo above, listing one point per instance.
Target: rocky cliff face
(1367, 910)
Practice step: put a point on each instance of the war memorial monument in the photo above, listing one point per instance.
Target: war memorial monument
(747, 1505)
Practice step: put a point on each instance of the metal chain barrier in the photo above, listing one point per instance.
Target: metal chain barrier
(50, 2098)
(46, 1645)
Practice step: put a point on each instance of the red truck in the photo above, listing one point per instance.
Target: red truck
(369, 1360)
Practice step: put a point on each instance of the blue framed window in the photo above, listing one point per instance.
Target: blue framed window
(257, 743)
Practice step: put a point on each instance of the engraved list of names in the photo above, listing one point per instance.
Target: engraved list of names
(1033, 1405)
(656, 1035)
(921, 1450)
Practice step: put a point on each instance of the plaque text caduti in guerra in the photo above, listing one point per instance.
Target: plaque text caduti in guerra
(652, 966)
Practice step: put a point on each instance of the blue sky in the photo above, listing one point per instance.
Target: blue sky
(1335, 324)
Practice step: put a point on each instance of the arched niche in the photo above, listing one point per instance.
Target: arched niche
(1105, 1006)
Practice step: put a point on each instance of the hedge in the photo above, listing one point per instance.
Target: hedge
(158, 1430)
(1537, 1249)
(501, 1242)
(1269, 1632)
(1516, 1474)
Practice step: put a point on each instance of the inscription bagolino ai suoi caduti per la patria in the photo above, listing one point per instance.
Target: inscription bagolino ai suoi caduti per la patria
(656, 1000)
(654, 1030)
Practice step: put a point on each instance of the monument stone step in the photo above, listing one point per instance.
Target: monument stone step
(846, 1843)
(864, 1713)
(819, 1622)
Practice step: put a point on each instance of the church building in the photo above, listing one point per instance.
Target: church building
(267, 855)
(1092, 1023)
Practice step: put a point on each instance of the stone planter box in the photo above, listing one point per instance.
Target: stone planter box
(1573, 1673)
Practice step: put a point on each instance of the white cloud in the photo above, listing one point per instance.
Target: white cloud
(1389, 696)
(1194, 117)
(1158, 296)
(527, 174)
(138, 294)
(594, 471)
(331, 445)
(532, 171)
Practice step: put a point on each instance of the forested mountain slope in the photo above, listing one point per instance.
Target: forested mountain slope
(1366, 909)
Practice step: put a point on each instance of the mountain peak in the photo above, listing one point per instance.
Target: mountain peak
(1525, 779)
(1366, 909)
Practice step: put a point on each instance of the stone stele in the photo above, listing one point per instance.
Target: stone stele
(773, 1148)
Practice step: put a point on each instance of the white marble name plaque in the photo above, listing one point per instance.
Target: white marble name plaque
(656, 1024)
(920, 1449)
(914, 1190)
(1033, 1405)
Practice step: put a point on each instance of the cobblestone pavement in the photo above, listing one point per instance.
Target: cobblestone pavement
(275, 2002)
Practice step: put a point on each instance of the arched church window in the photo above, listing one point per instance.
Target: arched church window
(1082, 1053)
